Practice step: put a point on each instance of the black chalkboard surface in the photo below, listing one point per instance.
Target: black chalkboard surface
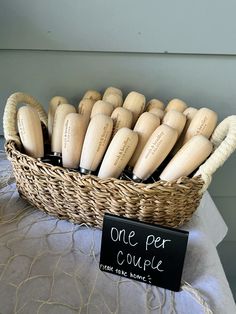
(149, 253)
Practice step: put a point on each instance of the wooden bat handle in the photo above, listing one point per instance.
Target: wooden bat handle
(224, 142)
(9, 117)
(155, 103)
(176, 104)
(72, 139)
(175, 119)
(101, 107)
(204, 122)
(157, 112)
(188, 158)
(96, 140)
(62, 111)
(190, 112)
(118, 153)
(85, 108)
(30, 131)
(122, 118)
(53, 104)
(115, 99)
(145, 126)
(92, 94)
(135, 102)
(154, 152)
(112, 90)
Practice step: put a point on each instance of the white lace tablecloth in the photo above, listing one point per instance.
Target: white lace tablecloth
(51, 266)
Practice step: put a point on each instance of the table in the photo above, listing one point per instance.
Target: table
(51, 266)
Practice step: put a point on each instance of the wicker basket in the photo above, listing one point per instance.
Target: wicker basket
(80, 198)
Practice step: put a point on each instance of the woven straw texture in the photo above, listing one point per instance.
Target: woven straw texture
(85, 198)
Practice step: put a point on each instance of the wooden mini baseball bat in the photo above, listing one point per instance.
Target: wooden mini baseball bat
(155, 103)
(96, 141)
(154, 152)
(115, 99)
(92, 94)
(175, 119)
(157, 112)
(72, 140)
(176, 104)
(112, 90)
(121, 118)
(189, 113)
(62, 111)
(118, 153)
(101, 107)
(85, 108)
(145, 126)
(53, 104)
(188, 158)
(204, 122)
(135, 102)
(30, 131)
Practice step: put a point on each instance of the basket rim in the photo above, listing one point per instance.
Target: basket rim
(11, 149)
(82, 198)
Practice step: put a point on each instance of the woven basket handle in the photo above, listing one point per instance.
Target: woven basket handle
(9, 117)
(224, 141)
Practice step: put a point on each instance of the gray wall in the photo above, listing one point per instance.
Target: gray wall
(203, 26)
(164, 49)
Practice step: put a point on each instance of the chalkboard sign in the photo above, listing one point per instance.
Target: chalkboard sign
(149, 253)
